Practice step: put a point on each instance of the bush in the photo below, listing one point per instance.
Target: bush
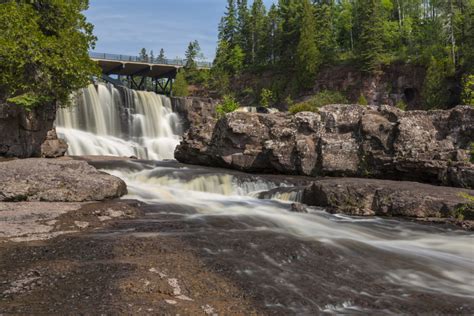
(228, 105)
(266, 97)
(180, 86)
(319, 100)
(401, 105)
(362, 100)
(302, 107)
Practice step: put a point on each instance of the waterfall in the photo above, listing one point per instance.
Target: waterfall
(110, 121)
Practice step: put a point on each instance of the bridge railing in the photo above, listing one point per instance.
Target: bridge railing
(157, 61)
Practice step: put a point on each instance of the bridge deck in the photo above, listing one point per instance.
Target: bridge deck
(132, 66)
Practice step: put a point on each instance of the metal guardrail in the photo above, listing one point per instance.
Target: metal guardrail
(156, 61)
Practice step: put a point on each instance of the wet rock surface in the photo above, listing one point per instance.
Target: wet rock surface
(369, 197)
(56, 181)
(164, 262)
(341, 140)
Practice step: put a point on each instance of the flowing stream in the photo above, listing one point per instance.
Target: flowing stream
(288, 263)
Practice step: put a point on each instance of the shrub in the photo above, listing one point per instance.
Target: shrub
(401, 105)
(302, 107)
(319, 100)
(228, 105)
(362, 100)
(266, 97)
(180, 87)
(472, 152)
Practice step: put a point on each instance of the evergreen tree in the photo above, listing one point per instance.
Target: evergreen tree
(258, 32)
(325, 35)
(273, 34)
(308, 57)
(243, 38)
(161, 57)
(191, 54)
(370, 39)
(290, 15)
(228, 24)
(143, 55)
(152, 57)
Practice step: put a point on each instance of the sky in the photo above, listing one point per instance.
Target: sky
(125, 26)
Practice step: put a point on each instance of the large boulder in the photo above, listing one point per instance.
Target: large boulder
(388, 198)
(56, 181)
(340, 140)
(23, 131)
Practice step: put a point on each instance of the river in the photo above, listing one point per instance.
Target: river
(289, 263)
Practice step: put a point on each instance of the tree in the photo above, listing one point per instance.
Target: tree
(243, 38)
(143, 55)
(228, 24)
(370, 39)
(193, 51)
(180, 86)
(258, 32)
(161, 57)
(44, 51)
(308, 57)
(152, 57)
(325, 35)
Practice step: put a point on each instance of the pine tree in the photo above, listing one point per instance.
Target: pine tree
(143, 55)
(258, 32)
(161, 57)
(191, 54)
(152, 57)
(325, 35)
(273, 34)
(243, 38)
(290, 15)
(369, 43)
(228, 24)
(308, 56)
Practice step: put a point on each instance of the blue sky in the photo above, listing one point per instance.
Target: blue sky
(125, 26)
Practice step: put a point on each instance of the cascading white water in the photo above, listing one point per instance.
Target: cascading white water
(107, 121)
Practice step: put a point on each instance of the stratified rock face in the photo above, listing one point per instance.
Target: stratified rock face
(56, 181)
(341, 140)
(22, 132)
(194, 111)
(53, 146)
(367, 197)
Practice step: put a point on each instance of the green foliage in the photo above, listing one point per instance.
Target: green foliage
(44, 51)
(321, 99)
(302, 107)
(362, 100)
(466, 210)
(434, 91)
(180, 85)
(228, 105)
(401, 105)
(296, 37)
(308, 58)
(266, 97)
(468, 89)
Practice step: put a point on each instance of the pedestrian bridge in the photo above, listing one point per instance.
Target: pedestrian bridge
(136, 69)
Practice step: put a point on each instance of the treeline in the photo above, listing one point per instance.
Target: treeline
(298, 37)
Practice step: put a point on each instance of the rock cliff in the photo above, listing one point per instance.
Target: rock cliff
(22, 132)
(341, 140)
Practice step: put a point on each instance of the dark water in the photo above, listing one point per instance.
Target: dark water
(295, 263)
